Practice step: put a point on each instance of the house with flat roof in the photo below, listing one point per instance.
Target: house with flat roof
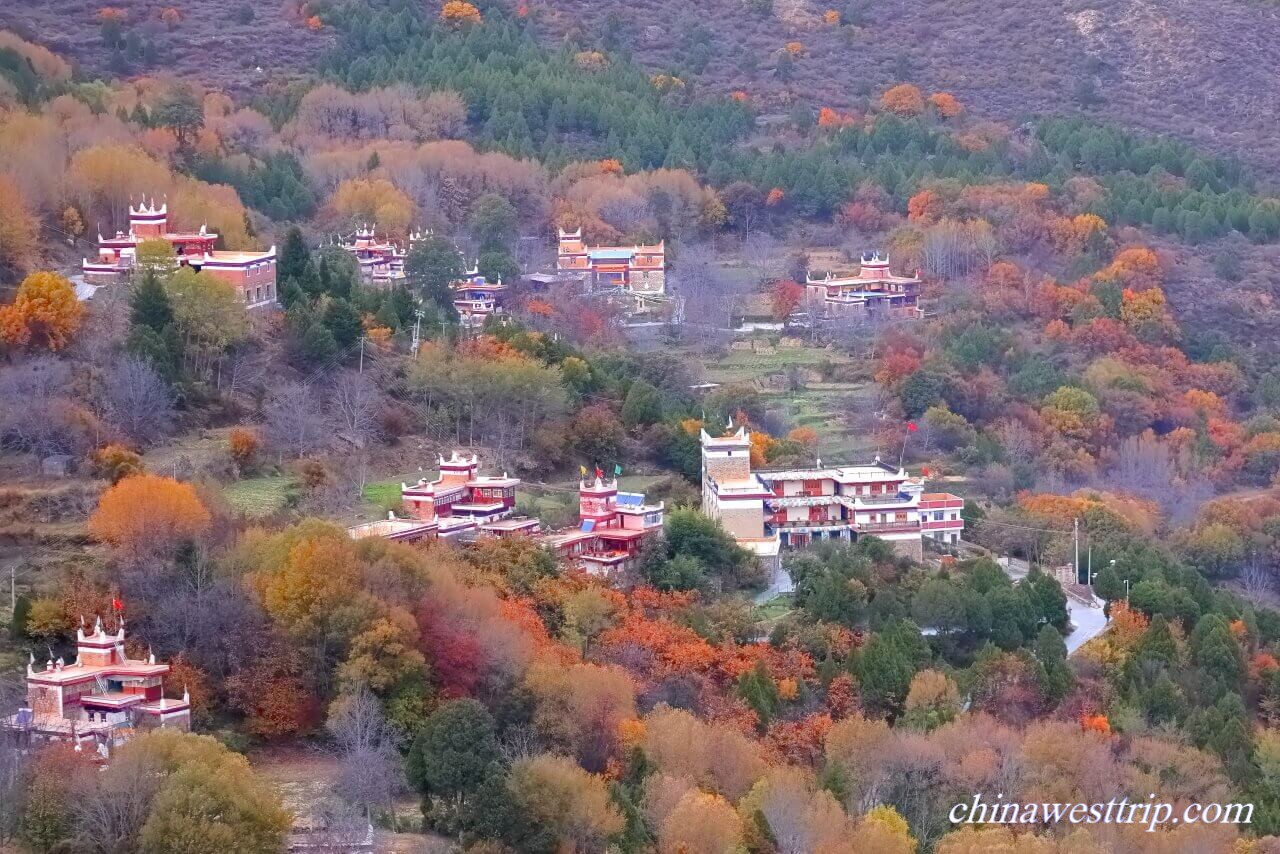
(99, 700)
(768, 510)
(251, 273)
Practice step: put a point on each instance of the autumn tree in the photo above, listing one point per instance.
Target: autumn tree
(459, 13)
(18, 230)
(785, 296)
(209, 799)
(148, 516)
(116, 462)
(700, 823)
(572, 803)
(243, 445)
(47, 307)
(903, 99)
(946, 105)
(932, 700)
(598, 435)
(373, 202)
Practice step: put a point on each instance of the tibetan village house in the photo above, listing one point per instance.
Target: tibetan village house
(382, 265)
(476, 298)
(612, 526)
(381, 261)
(636, 270)
(98, 700)
(767, 510)
(252, 274)
(461, 505)
(462, 500)
(873, 290)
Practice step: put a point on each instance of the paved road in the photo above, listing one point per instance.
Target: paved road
(1087, 621)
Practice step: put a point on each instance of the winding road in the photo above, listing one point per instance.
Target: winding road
(1087, 620)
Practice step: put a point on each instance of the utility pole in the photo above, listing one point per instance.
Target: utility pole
(362, 337)
(417, 331)
(1076, 526)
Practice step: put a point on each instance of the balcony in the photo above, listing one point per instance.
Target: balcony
(905, 526)
(897, 498)
(817, 524)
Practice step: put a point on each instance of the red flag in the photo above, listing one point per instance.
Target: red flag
(924, 470)
(117, 604)
(599, 473)
(911, 426)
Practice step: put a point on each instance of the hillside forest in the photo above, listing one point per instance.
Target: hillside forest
(1096, 352)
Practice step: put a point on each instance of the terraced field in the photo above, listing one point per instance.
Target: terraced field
(840, 412)
(259, 497)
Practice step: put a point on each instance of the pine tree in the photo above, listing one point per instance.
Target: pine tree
(294, 256)
(1051, 652)
(149, 305)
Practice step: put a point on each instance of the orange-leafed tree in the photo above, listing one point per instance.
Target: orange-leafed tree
(14, 334)
(460, 13)
(361, 200)
(147, 515)
(48, 306)
(116, 462)
(1096, 723)
(806, 436)
(831, 17)
(829, 117)
(170, 17)
(761, 444)
(924, 206)
(243, 445)
(903, 99)
(948, 106)
(786, 295)
(776, 197)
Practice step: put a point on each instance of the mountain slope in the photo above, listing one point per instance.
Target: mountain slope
(1201, 71)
